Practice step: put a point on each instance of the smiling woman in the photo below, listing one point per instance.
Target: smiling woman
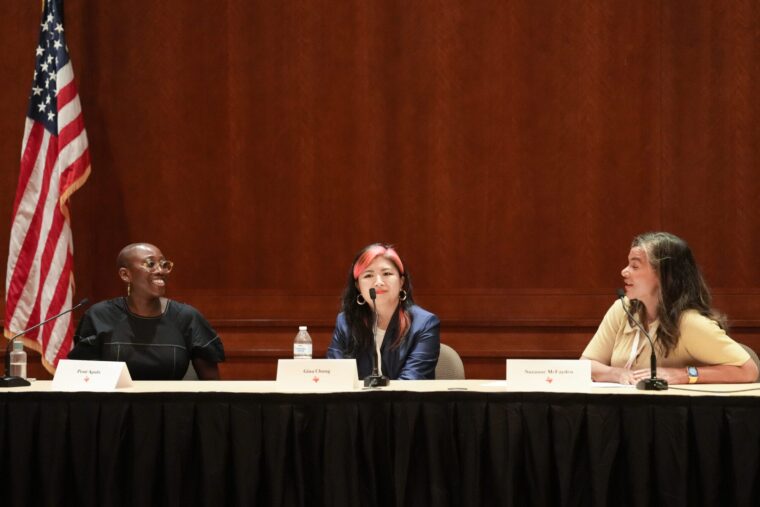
(155, 336)
(404, 336)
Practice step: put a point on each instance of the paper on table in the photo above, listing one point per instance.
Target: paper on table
(503, 383)
(610, 384)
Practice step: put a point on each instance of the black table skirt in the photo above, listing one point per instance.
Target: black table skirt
(378, 449)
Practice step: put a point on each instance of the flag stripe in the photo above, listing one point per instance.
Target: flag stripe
(56, 352)
(67, 90)
(77, 168)
(71, 131)
(74, 147)
(31, 240)
(30, 153)
(25, 212)
(60, 292)
(50, 245)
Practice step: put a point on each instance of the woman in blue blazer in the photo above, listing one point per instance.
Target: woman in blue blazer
(407, 336)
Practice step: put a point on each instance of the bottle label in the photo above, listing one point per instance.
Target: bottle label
(302, 350)
(18, 370)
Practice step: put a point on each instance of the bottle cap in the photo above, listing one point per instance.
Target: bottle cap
(18, 345)
(302, 328)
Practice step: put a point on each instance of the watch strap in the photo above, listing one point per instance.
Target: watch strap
(693, 374)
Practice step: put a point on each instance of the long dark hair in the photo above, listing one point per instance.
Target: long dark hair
(682, 286)
(360, 317)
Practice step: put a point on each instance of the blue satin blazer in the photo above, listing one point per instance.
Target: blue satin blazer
(414, 359)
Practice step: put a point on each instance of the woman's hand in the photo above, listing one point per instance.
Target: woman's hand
(601, 372)
(670, 375)
(624, 376)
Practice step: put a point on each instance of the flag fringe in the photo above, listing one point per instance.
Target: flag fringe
(75, 185)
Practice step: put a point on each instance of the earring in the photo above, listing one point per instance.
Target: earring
(402, 295)
(129, 289)
(360, 300)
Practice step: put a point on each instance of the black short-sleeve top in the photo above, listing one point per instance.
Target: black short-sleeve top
(154, 348)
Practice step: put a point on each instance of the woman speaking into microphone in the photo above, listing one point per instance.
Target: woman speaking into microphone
(666, 294)
(404, 335)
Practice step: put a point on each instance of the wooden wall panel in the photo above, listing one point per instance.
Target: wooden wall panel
(511, 149)
(710, 84)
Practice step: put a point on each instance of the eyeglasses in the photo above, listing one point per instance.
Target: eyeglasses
(154, 265)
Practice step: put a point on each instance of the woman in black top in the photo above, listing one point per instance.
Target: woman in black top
(155, 336)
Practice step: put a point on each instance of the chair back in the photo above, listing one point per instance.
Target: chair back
(450, 366)
(190, 374)
(754, 357)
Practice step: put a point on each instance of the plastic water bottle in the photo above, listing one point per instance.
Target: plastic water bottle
(18, 360)
(302, 344)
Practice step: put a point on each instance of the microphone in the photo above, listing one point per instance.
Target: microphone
(653, 383)
(7, 380)
(375, 380)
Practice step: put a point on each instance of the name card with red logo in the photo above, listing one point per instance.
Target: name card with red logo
(75, 375)
(317, 374)
(549, 374)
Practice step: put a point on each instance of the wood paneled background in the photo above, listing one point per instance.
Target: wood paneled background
(510, 149)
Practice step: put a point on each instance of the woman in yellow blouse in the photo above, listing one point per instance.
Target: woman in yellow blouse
(666, 293)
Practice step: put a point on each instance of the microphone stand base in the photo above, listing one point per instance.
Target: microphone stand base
(652, 384)
(13, 382)
(376, 381)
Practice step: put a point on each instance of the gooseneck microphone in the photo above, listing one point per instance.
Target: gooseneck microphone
(375, 380)
(652, 383)
(7, 380)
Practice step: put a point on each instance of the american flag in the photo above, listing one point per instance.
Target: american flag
(55, 162)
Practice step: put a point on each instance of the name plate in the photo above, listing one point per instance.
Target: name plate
(75, 375)
(317, 374)
(549, 374)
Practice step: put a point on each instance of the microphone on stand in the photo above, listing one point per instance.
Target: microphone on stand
(652, 383)
(375, 380)
(9, 381)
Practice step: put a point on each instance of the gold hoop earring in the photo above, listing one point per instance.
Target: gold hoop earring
(402, 295)
(129, 289)
(360, 300)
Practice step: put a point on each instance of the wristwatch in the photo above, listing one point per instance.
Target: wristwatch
(693, 374)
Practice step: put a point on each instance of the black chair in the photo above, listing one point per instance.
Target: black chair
(190, 374)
